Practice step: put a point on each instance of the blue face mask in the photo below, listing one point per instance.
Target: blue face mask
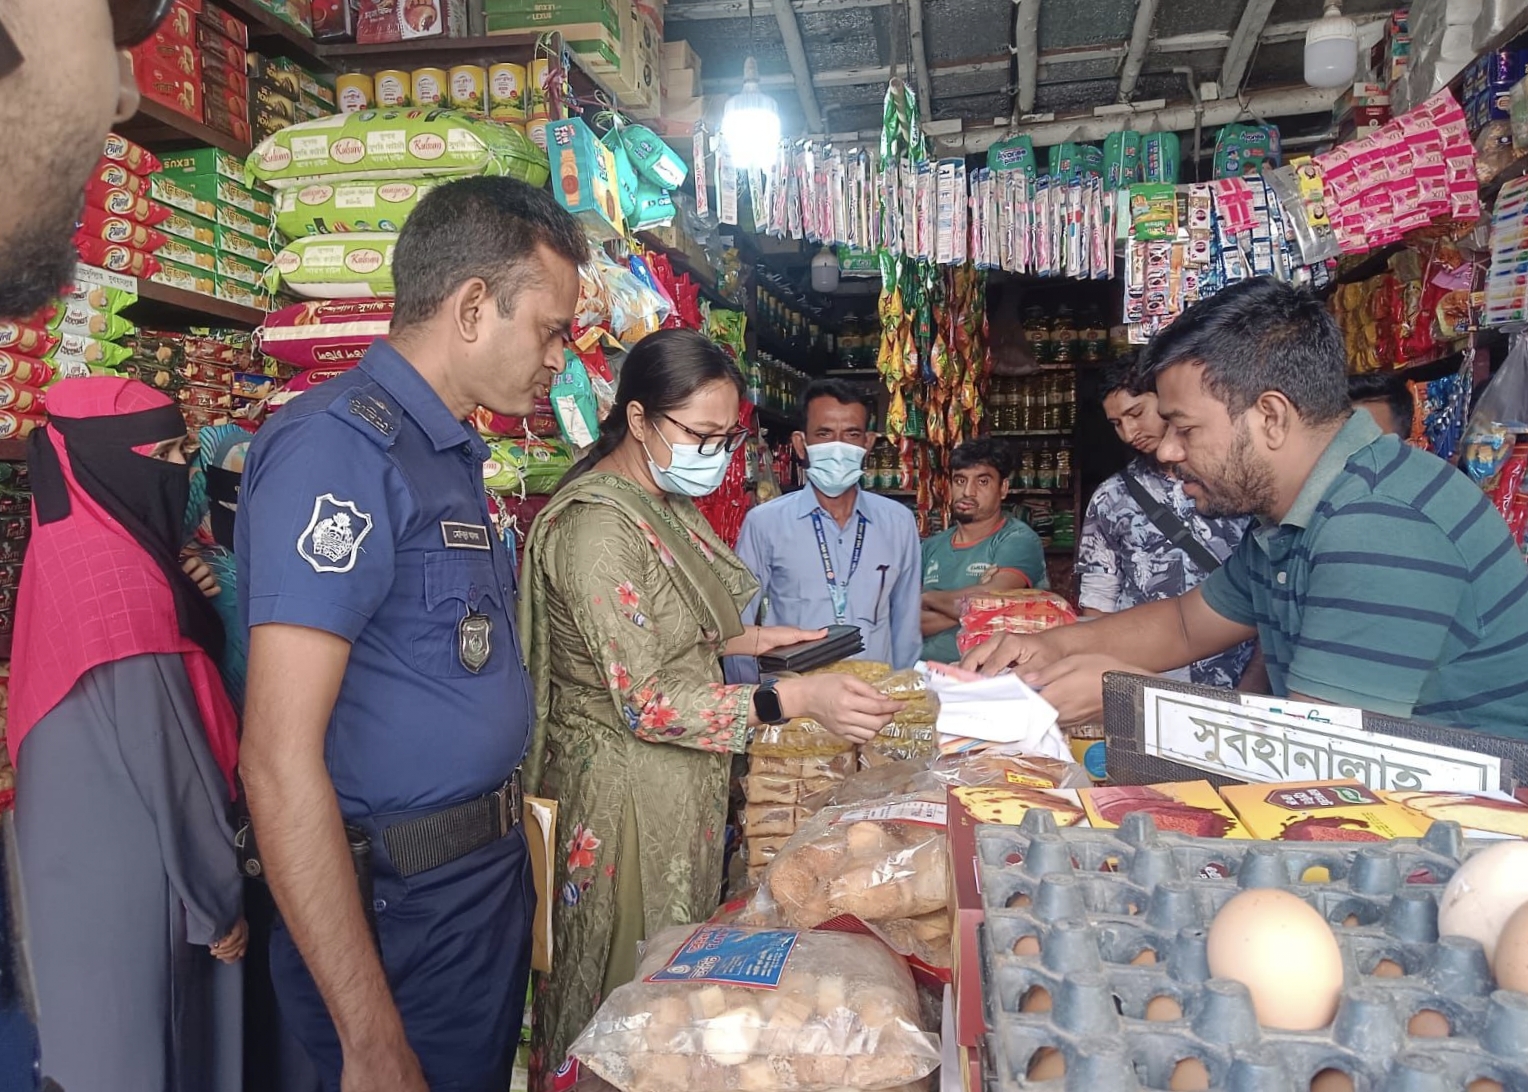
(689, 473)
(834, 468)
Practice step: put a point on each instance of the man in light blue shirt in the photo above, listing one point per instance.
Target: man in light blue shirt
(831, 553)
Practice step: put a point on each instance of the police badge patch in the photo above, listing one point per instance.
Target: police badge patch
(332, 539)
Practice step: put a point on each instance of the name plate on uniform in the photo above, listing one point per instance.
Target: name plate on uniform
(464, 536)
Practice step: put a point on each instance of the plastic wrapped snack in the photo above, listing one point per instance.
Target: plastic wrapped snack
(1024, 611)
(878, 863)
(723, 1008)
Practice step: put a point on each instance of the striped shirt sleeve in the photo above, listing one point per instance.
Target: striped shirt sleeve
(1384, 588)
(1228, 590)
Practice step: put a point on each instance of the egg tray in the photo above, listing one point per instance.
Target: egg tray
(1096, 900)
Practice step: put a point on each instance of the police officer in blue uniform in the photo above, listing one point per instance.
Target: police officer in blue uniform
(387, 706)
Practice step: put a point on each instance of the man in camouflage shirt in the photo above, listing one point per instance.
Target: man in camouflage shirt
(1123, 558)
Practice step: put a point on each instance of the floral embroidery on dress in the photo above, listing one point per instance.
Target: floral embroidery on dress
(620, 678)
(581, 848)
(657, 544)
(627, 594)
(701, 545)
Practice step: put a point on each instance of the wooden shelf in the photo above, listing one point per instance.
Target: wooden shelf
(158, 127)
(420, 52)
(1060, 551)
(1040, 492)
(12, 451)
(173, 305)
(705, 278)
(869, 375)
(1024, 434)
(268, 34)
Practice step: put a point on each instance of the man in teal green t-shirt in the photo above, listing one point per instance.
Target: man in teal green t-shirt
(984, 551)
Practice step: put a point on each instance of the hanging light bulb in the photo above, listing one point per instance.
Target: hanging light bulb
(825, 271)
(751, 124)
(1331, 48)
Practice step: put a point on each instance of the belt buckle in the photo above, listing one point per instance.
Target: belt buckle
(510, 801)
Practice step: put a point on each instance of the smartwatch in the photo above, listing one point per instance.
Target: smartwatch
(766, 703)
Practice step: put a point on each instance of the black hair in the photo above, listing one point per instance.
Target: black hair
(477, 227)
(1386, 387)
(983, 452)
(1257, 336)
(661, 373)
(1123, 374)
(836, 389)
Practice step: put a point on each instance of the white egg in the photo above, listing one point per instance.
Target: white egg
(1484, 893)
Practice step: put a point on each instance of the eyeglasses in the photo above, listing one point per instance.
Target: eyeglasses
(132, 22)
(713, 443)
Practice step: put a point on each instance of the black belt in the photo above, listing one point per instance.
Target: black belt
(418, 845)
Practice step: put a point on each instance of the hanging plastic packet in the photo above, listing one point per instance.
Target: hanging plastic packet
(702, 191)
(640, 269)
(1307, 220)
(726, 188)
(655, 161)
(1159, 158)
(625, 173)
(1017, 153)
(1243, 150)
(573, 402)
(1122, 159)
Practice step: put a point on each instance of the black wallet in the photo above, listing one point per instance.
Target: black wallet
(840, 643)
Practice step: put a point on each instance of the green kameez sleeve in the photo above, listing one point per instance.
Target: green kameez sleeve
(660, 671)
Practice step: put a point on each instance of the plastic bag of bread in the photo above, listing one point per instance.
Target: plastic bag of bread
(880, 781)
(880, 862)
(721, 1008)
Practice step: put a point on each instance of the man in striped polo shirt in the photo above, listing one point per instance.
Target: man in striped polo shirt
(1378, 576)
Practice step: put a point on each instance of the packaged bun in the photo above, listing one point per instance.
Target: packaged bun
(720, 1008)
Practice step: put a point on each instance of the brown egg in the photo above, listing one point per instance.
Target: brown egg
(1388, 968)
(1510, 961)
(1189, 1075)
(1483, 1084)
(1163, 1008)
(1284, 952)
(1429, 1024)
(1331, 1080)
(1035, 999)
(1046, 1064)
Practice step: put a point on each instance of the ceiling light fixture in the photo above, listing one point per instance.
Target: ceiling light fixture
(751, 120)
(825, 271)
(1331, 48)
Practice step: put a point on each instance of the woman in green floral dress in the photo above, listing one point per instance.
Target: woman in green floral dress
(629, 599)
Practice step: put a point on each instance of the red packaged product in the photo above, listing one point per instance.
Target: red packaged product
(227, 113)
(25, 340)
(24, 370)
(227, 78)
(136, 158)
(1509, 480)
(20, 399)
(324, 333)
(17, 426)
(1517, 519)
(125, 203)
(314, 376)
(170, 84)
(198, 396)
(225, 24)
(99, 224)
(114, 176)
(115, 257)
(215, 46)
(1026, 611)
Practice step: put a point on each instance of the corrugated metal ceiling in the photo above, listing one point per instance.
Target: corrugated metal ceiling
(969, 52)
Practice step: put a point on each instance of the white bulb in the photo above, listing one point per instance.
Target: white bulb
(751, 130)
(1331, 49)
(825, 271)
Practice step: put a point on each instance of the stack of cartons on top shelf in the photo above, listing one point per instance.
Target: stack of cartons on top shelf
(684, 106)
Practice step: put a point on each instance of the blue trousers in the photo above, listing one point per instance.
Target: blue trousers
(456, 946)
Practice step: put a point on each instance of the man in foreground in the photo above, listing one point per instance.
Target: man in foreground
(52, 139)
(1143, 539)
(832, 553)
(388, 708)
(986, 551)
(1378, 576)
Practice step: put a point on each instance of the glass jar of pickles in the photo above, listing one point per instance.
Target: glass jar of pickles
(1027, 470)
(1064, 337)
(1037, 334)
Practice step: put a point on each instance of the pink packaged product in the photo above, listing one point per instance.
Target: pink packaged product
(324, 333)
(314, 376)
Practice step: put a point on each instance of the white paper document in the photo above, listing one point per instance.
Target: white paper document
(1002, 710)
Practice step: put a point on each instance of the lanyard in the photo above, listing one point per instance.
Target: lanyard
(839, 592)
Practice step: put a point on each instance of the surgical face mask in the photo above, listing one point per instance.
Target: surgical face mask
(689, 473)
(834, 468)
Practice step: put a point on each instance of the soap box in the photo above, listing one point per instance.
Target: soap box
(1321, 811)
(1187, 807)
(583, 177)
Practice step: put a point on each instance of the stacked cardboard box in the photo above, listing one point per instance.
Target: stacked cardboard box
(283, 92)
(379, 21)
(297, 13)
(1361, 111)
(220, 229)
(684, 107)
(168, 66)
(776, 789)
(224, 42)
(619, 40)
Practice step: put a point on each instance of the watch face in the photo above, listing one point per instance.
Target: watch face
(766, 702)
